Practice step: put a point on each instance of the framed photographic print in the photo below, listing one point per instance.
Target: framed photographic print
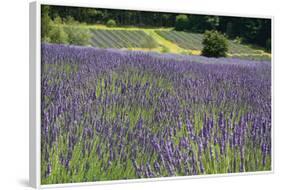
(137, 95)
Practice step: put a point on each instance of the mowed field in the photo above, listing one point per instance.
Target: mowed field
(114, 114)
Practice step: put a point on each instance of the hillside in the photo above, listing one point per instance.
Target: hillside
(164, 40)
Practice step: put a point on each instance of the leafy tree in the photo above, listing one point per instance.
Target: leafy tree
(45, 21)
(214, 44)
(88, 15)
(229, 29)
(181, 22)
(212, 22)
(58, 35)
(111, 23)
(77, 35)
(201, 23)
(251, 30)
(57, 20)
(70, 20)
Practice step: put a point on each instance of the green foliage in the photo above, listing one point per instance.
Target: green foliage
(45, 21)
(57, 20)
(201, 23)
(181, 22)
(89, 15)
(238, 40)
(101, 16)
(77, 35)
(64, 31)
(214, 44)
(69, 20)
(46, 39)
(212, 22)
(229, 29)
(252, 30)
(111, 23)
(58, 35)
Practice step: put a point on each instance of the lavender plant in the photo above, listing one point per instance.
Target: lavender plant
(111, 115)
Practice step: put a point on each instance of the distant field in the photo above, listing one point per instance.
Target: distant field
(194, 41)
(122, 39)
(163, 40)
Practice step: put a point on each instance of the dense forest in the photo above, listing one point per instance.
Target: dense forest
(256, 31)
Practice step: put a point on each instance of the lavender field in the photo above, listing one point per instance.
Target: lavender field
(113, 114)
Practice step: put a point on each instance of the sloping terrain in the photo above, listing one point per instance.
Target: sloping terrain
(164, 40)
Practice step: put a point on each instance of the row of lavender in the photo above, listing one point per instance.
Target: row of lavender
(111, 114)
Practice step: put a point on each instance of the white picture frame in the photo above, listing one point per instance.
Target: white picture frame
(35, 95)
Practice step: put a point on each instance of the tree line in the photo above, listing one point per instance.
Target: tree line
(256, 31)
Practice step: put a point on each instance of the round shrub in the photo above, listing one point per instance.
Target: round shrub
(111, 23)
(214, 44)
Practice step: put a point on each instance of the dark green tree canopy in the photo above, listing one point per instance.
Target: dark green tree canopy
(181, 22)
